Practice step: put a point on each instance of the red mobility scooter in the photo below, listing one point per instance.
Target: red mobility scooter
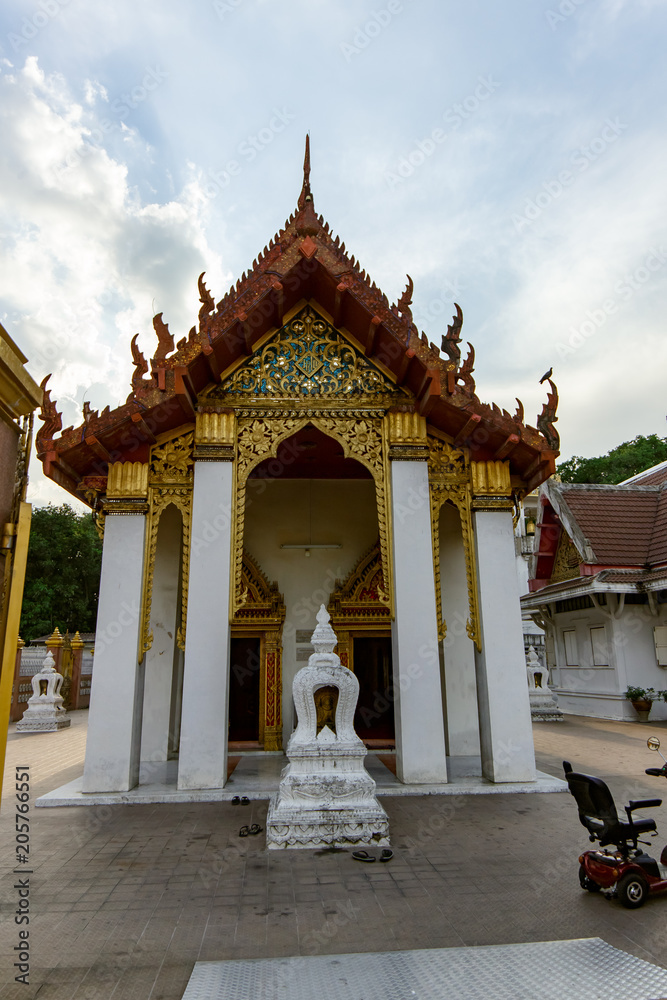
(622, 869)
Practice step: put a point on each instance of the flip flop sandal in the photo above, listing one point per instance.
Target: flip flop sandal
(386, 855)
(236, 800)
(245, 801)
(363, 856)
(255, 828)
(244, 831)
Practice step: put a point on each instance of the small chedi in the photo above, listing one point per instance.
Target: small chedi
(543, 704)
(326, 797)
(45, 712)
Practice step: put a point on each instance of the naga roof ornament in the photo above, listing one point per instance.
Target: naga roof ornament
(304, 261)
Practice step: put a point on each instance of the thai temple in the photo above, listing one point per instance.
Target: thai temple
(304, 444)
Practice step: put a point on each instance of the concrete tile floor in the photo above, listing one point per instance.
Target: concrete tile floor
(125, 899)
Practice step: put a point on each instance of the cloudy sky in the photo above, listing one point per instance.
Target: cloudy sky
(508, 156)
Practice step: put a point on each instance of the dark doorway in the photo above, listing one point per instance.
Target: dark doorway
(244, 677)
(374, 718)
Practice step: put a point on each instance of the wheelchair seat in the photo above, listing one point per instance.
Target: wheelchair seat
(598, 813)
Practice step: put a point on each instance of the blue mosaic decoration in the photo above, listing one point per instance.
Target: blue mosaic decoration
(308, 358)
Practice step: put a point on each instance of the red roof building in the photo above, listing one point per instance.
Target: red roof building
(599, 589)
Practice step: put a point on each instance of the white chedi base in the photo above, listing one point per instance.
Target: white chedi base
(45, 712)
(326, 797)
(543, 704)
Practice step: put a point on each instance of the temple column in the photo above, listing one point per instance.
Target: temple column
(502, 692)
(164, 622)
(420, 732)
(116, 698)
(458, 649)
(204, 718)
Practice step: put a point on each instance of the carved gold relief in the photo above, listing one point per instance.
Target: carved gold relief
(309, 360)
(170, 481)
(449, 480)
(362, 438)
(567, 560)
(361, 601)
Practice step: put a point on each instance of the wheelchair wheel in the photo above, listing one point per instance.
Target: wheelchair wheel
(632, 890)
(587, 883)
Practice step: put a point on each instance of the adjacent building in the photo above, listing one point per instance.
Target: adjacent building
(598, 587)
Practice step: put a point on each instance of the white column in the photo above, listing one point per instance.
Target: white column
(159, 662)
(502, 691)
(114, 722)
(458, 649)
(420, 733)
(203, 745)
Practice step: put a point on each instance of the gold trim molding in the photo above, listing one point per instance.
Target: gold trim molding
(449, 481)
(170, 481)
(491, 479)
(362, 438)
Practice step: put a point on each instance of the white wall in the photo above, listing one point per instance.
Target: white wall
(587, 689)
(294, 511)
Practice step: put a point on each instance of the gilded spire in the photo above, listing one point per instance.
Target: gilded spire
(306, 193)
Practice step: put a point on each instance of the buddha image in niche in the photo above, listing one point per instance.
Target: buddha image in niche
(326, 700)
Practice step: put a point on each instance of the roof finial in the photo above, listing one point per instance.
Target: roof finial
(306, 194)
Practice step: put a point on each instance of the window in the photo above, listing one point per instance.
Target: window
(570, 640)
(599, 646)
(660, 637)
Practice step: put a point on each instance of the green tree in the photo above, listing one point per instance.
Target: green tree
(620, 463)
(63, 573)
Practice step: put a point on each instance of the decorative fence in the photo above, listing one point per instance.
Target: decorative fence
(73, 659)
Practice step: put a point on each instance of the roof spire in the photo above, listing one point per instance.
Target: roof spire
(306, 193)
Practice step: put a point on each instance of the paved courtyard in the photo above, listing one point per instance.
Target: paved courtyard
(125, 899)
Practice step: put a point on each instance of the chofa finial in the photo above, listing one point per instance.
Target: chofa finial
(306, 193)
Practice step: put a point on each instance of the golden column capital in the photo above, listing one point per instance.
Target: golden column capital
(215, 435)
(127, 488)
(407, 436)
(491, 485)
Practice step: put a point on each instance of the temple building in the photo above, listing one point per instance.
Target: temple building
(304, 444)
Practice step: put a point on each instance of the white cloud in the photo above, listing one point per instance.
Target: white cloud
(85, 259)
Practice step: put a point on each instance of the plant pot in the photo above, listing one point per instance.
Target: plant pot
(643, 709)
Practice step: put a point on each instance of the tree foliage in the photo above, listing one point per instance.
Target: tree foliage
(620, 463)
(63, 573)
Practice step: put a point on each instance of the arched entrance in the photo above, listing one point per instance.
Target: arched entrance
(310, 513)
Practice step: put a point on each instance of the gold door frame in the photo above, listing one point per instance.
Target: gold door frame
(363, 437)
(261, 613)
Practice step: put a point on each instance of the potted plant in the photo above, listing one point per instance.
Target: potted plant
(642, 699)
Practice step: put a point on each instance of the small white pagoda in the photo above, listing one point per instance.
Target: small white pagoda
(45, 712)
(326, 797)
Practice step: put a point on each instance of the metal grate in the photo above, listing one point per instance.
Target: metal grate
(551, 970)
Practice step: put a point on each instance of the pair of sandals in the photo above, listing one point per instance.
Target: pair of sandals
(252, 831)
(245, 801)
(386, 855)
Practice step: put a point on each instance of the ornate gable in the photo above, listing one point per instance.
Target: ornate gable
(309, 359)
